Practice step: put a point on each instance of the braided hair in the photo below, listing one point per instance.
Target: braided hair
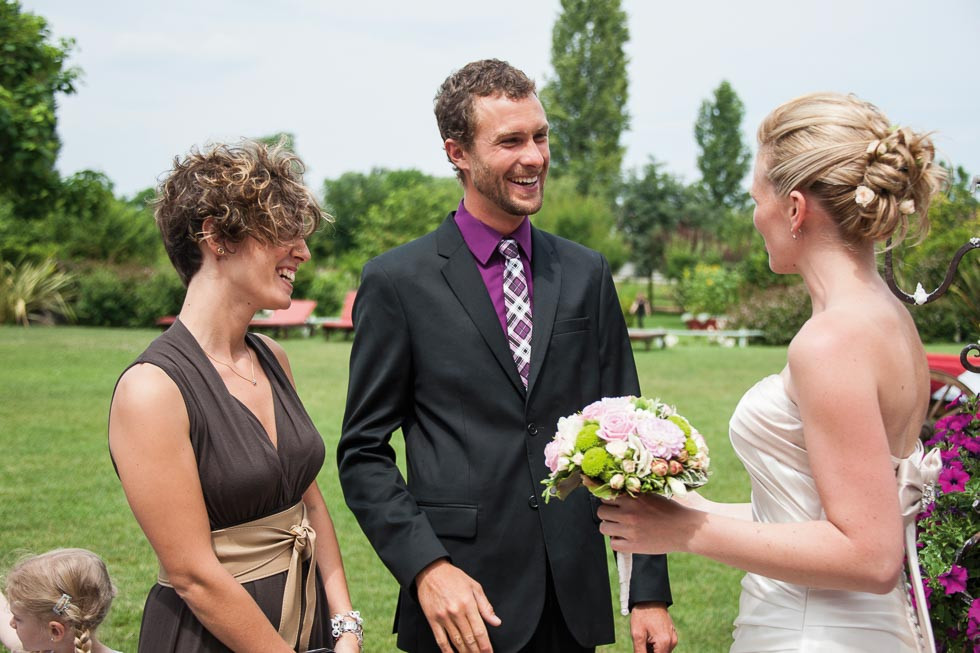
(69, 585)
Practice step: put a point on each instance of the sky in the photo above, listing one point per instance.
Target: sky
(354, 81)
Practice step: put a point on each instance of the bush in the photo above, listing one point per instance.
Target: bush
(131, 298)
(34, 292)
(778, 312)
(326, 287)
(707, 289)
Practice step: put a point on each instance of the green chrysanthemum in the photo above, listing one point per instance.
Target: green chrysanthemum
(595, 461)
(684, 425)
(587, 438)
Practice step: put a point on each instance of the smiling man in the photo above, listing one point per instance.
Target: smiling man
(474, 340)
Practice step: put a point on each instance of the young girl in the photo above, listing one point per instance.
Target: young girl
(57, 600)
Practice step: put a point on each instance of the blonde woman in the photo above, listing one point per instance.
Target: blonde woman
(831, 442)
(215, 452)
(55, 601)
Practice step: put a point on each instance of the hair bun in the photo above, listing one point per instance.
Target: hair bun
(872, 176)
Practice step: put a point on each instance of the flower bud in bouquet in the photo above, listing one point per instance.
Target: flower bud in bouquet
(659, 467)
(675, 467)
(633, 484)
(617, 481)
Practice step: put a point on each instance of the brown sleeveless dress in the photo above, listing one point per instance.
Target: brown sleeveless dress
(243, 477)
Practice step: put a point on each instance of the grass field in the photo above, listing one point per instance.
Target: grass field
(58, 488)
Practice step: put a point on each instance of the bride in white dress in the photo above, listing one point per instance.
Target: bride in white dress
(831, 442)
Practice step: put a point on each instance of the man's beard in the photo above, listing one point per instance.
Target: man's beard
(495, 189)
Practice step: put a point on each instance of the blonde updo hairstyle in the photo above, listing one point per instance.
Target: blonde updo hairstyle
(872, 177)
(38, 584)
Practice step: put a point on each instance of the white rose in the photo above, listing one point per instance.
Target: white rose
(616, 482)
(629, 466)
(569, 427)
(907, 207)
(617, 448)
(633, 484)
(577, 458)
(864, 195)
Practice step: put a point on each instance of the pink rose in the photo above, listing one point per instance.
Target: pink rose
(597, 409)
(659, 467)
(552, 451)
(616, 425)
(661, 437)
(675, 467)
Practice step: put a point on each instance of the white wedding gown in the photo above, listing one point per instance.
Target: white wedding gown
(767, 435)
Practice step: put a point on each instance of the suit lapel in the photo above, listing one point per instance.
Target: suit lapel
(464, 278)
(546, 275)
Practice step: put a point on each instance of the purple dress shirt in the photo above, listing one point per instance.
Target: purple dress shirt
(482, 242)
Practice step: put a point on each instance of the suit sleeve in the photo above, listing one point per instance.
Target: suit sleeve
(618, 369)
(378, 403)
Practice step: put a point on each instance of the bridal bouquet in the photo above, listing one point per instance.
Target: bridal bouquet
(631, 445)
(949, 532)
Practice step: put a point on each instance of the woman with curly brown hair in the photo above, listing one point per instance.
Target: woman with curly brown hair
(831, 442)
(215, 452)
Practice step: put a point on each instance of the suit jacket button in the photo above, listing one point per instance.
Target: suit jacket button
(532, 501)
(532, 428)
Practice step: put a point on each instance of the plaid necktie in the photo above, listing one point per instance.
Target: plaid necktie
(518, 307)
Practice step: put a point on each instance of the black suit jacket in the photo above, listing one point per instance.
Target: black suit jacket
(430, 357)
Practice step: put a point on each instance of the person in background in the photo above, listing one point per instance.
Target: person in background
(55, 601)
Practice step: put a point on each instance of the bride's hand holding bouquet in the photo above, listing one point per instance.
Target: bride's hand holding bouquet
(633, 446)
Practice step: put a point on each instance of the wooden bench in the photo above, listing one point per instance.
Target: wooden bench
(281, 321)
(648, 337)
(658, 336)
(344, 323)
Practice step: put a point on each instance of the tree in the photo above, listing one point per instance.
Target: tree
(32, 72)
(724, 158)
(654, 205)
(406, 212)
(586, 219)
(586, 101)
(349, 198)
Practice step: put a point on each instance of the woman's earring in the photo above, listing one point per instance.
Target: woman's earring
(221, 250)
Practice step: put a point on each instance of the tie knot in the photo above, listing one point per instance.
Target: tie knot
(508, 247)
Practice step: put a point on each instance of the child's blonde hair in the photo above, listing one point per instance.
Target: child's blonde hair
(67, 585)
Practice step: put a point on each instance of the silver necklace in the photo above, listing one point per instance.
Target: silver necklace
(251, 362)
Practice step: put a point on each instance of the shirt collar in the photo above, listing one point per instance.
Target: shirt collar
(483, 240)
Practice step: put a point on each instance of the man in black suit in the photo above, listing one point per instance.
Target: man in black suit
(474, 340)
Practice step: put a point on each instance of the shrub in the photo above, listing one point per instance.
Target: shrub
(707, 289)
(125, 297)
(34, 292)
(326, 287)
(778, 312)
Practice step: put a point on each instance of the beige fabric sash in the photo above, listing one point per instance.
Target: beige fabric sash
(268, 546)
(915, 474)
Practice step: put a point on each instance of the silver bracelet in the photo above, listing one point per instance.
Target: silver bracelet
(348, 622)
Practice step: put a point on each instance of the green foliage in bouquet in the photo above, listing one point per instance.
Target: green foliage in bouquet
(949, 531)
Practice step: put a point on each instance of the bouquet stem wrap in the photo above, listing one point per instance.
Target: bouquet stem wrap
(624, 565)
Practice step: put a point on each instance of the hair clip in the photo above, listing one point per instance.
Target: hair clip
(62, 605)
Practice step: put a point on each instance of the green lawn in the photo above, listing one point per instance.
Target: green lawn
(58, 488)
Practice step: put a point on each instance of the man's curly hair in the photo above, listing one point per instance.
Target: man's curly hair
(455, 99)
(248, 189)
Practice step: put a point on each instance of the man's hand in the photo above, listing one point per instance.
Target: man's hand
(652, 628)
(456, 608)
